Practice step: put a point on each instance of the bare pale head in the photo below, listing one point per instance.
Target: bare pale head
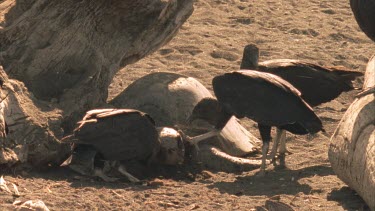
(172, 149)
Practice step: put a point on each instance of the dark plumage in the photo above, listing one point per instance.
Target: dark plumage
(265, 98)
(364, 13)
(317, 84)
(118, 134)
(123, 136)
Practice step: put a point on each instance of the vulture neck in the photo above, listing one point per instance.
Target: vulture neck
(223, 119)
(249, 61)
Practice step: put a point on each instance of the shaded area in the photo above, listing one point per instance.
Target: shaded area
(348, 199)
(275, 182)
(351, 150)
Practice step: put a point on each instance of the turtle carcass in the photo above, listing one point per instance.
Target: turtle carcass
(170, 99)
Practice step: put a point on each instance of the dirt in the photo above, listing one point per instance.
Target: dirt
(211, 43)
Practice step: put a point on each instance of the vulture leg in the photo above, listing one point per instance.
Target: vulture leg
(276, 142)
(99, 173)
(282, 149)
(265, 133)
(196, 139)
(130, 177)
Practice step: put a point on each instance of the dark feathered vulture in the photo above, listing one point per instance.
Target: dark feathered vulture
(364, 13)
(129, 134)
(265, 98)
(317, 84)
(122, 135)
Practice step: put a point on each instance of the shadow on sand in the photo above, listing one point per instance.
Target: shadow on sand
(280, 181)
(348, 199)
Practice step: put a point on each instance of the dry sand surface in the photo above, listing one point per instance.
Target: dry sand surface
(211, 43)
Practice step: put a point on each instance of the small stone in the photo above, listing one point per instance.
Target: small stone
(33, 205)
(156, 182)
(206, 174)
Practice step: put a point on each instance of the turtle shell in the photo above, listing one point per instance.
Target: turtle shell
(170, 98)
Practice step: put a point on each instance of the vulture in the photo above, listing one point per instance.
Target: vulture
(265, 98)
(364, 13)
(122, 135)
(317, 84)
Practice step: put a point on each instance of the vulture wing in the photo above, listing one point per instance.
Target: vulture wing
(317, 84)
(119, 134)
(265, 98)
(364, 14)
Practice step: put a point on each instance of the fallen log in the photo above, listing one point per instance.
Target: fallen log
(59, 57)
(33, 127)
(352, 147)
(68, 52)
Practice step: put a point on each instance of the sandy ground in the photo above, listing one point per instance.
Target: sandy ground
(211, 43)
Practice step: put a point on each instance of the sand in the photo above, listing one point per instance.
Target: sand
(211, 43)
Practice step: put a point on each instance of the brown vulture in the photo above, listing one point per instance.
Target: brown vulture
(123, 135)
(265, 98)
